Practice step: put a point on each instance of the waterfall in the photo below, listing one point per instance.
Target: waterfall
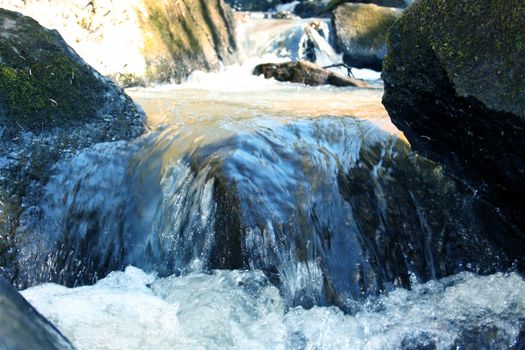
(304, 39)
(315, 204)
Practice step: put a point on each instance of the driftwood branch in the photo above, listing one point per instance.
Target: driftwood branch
(348, 68)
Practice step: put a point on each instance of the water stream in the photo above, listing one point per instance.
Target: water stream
(259, 214)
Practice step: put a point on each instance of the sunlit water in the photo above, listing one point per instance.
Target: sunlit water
(316, 176)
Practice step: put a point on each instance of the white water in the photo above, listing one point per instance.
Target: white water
(276, 40)
(241, 310)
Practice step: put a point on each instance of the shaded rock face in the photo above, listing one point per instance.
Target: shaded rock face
(52, 104)
(141, 41)
(312, 8)
(305, 72)
(360, 33)
(455, 85)
(22, 327)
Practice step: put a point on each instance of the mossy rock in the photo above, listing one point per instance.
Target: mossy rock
(43, 83)
(181, 37)
(361, 32)
(169, 39)
(52, 104)
(455, 85)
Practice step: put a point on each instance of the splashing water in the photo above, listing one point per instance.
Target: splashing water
(311, 189)
(242, 310)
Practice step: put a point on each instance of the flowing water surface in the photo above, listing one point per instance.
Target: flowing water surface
(262, 215)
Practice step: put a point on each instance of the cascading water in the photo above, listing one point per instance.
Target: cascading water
(300, 39)
(261, 214)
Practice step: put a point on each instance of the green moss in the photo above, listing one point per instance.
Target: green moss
(184, 36)
(480, 44)
(374, 23)
(41, 83)
(367, 25)
(47, 92)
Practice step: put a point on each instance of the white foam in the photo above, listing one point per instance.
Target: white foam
(366, 74)
(241, 310)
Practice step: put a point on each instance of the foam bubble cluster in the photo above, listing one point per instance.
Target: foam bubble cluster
(242, 310)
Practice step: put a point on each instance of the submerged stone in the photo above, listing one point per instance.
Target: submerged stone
(332, 210)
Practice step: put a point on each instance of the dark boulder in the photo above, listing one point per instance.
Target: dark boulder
(52, 104)
(360, 33)
(311, 8)
(305, 73)
(22, 327)
(455, 85)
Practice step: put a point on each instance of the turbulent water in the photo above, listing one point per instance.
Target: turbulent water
(262, 214)
(242, 310)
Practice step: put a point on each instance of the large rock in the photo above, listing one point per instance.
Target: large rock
(52, 104)
(305, 72)
(361, 31)
(140, 41)
(22, 327)
(455, 84)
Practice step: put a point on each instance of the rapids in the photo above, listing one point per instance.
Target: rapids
(242, 310)
(262, 214)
